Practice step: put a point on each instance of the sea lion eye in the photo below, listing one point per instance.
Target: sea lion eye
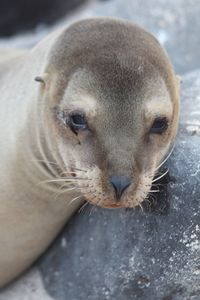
(77, 121)
(159, 125)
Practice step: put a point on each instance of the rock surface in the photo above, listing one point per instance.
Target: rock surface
(175, 23)
(23, 15)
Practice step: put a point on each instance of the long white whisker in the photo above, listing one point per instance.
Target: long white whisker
(46, 161)
(74, 199)
(140, 205)
(168, 156)
(56, 164)
(151, 197)
(82, 170)
(156, 179)
(66, 191)
(63, 185)
(64, 179)
(83, 206)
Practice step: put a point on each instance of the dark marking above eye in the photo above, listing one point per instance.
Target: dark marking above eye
(159, 125)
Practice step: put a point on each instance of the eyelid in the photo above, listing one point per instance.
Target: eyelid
(160, 117)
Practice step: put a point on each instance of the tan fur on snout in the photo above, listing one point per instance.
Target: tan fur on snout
(119, 78)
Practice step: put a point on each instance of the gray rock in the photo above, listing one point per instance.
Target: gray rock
(134, 254)
(175, 23)
(20, 15)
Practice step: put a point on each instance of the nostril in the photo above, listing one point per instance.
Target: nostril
(120, 184)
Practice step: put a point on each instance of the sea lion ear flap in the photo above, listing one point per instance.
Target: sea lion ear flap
(42, 78)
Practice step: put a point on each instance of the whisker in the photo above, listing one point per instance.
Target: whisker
(56, 181)
(63, 185)
(154, 173)
(168, 156)
(54, 163)
(152, 198)
(49, 169)
(65, 191)
(82, 170)
(140, 205)
(91, 210)
(94, 206)
(64, 179)
(161, 176)
(147, 200)
(82, 207)
(74, 199)
(46, 161)
(76, 178)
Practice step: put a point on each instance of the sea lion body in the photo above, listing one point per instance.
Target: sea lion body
(38, 145)
(31, 214)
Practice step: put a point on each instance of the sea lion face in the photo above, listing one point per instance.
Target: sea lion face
(115, 120)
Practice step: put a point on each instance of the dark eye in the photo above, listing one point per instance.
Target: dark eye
(159, 125)
(77, 122)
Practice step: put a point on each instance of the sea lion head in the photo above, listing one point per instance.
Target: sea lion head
(113, 101)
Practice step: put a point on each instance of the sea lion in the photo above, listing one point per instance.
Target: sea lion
(95, 124)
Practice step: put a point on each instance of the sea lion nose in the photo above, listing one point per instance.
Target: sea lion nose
(120, 184)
